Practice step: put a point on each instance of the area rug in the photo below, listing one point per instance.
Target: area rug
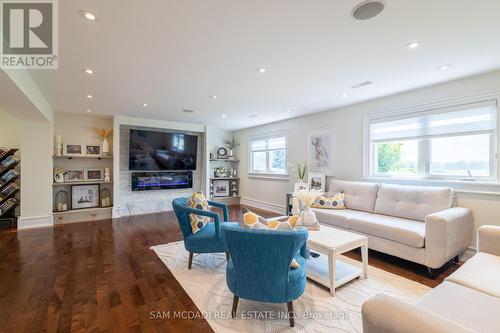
(315, 310)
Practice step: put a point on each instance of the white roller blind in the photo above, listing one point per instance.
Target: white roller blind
(271, 143)
(466, 119)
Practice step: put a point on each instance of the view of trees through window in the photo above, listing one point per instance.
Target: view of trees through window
(398, 158)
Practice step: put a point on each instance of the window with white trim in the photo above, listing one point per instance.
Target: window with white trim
(267, 154)
(452, 143)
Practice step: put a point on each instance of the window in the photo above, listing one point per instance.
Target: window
(268, 155)
(451, 143)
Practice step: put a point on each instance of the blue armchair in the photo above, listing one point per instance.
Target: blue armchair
(259, 264)
(207, 240)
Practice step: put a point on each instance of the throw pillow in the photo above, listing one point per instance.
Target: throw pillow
(198, 201)
(335, 202)
(252, 220)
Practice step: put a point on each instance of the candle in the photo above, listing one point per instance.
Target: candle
(64, 207)
(59, 140)
(59, 207)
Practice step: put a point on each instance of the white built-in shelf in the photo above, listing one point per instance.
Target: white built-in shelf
(223, 160)
(82, 183)
(225, 178)
(82, 210)
(83, 157)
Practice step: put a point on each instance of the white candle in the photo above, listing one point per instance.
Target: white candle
(64, 207)
(59, 140)
(59, 207)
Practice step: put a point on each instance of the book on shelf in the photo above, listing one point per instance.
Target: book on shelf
(7, 205)
(9, 160)
(8, 190)
(8, 176)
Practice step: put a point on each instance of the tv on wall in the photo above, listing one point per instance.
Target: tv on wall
(160, 151)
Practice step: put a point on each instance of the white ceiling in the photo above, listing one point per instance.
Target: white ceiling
(176, 54)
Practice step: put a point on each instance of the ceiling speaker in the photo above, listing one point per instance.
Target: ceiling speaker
(368, 9)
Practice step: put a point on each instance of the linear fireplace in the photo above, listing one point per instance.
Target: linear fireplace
(147, 181)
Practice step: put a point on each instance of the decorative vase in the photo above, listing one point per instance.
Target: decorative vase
(308, 219)
(105, 146)
(230, 153)
(59, 177)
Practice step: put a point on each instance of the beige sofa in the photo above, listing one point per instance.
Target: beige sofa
(467, 301)
(411, 222)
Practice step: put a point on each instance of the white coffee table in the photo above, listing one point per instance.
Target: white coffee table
(327, 269)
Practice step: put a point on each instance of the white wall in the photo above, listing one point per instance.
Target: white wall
(10, 131)
(347, 126)
(36, 174)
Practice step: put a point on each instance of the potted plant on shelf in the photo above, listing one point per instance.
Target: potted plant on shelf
(231, 144)
(104, 134)
(220, 172)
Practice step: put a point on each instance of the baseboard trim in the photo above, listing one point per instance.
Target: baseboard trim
(35, 222)
(270, 207)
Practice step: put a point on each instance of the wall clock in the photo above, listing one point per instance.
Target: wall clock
(222, 152)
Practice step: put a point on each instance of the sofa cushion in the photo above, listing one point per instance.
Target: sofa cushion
(357, 195)
(464, 306)
(338, 218)
(481, 272)
(412, 202)
(408, 232)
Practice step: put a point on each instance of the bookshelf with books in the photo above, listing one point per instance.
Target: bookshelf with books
(9, 188)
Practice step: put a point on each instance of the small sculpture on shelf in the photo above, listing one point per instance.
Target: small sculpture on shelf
(59, 175)
(62, 200)
(59, 145)
(107, 175)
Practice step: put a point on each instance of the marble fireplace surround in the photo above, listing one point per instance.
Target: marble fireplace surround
(136, 203)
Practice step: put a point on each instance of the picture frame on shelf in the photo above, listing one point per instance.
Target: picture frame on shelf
(73, 149)
(93, 150)
(320, 151)
(85, 196)
(221, 188)
(94, 175)
(300, 186)
(74, 175)
(316, 181)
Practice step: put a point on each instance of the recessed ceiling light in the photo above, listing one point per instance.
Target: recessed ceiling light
(444, 67)
(261, 70)
(88, 71)
(89, 96)
(89, 110)
(88, 15)
(368, 9)
(214, 97)
(288, 111)
(413, 45)
(224, 116)
(144, 105)
(343, 95)
(187, 111)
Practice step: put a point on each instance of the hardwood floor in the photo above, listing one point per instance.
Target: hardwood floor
(102, 277)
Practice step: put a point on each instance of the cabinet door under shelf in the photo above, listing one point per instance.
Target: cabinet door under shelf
(82, 216)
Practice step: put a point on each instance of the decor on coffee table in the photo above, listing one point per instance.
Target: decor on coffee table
(320, 151)
(326, 269)
(84, 196)
(307, 217)
(206, 240)
(250, 266)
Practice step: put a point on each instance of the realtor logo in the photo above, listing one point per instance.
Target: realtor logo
(29, 34)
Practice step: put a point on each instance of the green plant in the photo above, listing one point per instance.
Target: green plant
(389, 157)
(301, 170)
(231, 143)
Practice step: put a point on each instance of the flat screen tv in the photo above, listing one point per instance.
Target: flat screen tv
(161, 151)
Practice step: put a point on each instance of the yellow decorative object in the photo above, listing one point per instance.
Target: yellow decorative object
(252, 220)
(198, 201)
(335, 202)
